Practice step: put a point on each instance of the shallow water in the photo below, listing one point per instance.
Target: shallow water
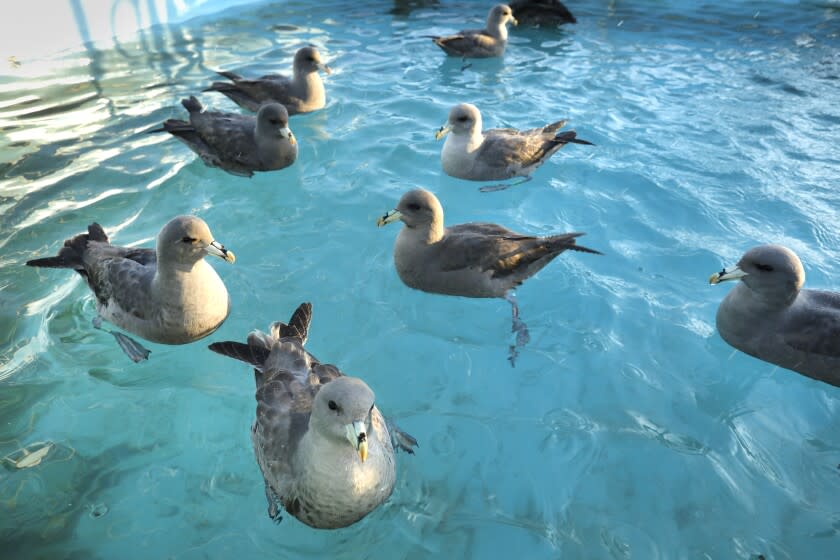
(628, 428)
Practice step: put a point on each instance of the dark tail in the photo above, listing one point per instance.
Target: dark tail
(250, 354)
(230, 76)
(570, 137)
(298, 326)
(567, 242)
(71, 255)
(192, 104)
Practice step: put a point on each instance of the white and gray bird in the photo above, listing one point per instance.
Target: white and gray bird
(480, 43)
(498, 153)
(477, 259)
(238, 144)
(324, 449)
(302, 93)
(769, 316)
(170, 295)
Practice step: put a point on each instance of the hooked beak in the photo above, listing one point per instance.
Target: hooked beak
(391, 216)
(733, 273)
(513, 20)
(324, 68)
(218, 250)
(442, 131)
(286, 133)
(357, 436)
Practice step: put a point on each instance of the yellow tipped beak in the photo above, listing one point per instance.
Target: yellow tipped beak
(357, 436)
(218, 250)
(513, 21)
(389, 217)
(324, 68)
(442, 131)
(724, 275)
(286, 132)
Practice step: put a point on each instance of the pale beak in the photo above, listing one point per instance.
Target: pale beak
(513, 20)
(286, 133)
(324, 68)
(389, 217)
(734, 273)
(442, 131)
(218, 250)
(357, 435)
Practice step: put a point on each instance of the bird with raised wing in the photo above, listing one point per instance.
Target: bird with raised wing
(325, 451)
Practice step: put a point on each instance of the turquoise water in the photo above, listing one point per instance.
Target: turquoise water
(628, 428)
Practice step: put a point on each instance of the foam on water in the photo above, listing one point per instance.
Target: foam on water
(628, 429)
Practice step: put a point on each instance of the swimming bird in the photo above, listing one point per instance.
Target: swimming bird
(303, 93)
(169, 295)
(477, 259)
(541, 12)
(769, 316)
(480, 43)
(322, 445)
(497, 153)
(238, 144)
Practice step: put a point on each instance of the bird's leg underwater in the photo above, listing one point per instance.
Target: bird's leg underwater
(464, 63)
(401, 439)
(519, 327)
(503, 186)
(133, 349)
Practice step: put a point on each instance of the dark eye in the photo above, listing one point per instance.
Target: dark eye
(764, 267)
(413, 206)
(332, 405)
(462, 118)
(188, 239)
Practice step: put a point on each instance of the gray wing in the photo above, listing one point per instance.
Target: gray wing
(817, 330)
(253, 93)
(472, 43)
(228, 140)
(121, 276)
(487, 247)
(505, 147)
(271, 87)
(284, 405)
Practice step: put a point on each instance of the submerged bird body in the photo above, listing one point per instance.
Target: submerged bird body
(472, 260)
(171, 295)
(769, 316)
(323, 448)
(302, 93)
(480, 43)
(499, 153)
(238, 144)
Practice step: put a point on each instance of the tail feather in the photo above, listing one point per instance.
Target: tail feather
(192, 104)
(222, 87)
(71, 255)
(254, 355)
(567, 242)
(570, 137)
(298, 326)
(229, 75)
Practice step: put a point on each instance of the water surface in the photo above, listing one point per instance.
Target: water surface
(628, 428)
